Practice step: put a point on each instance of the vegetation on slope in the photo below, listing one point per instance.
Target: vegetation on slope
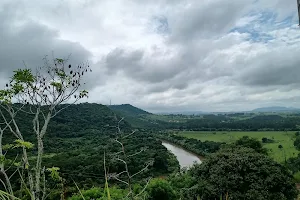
(78, 138)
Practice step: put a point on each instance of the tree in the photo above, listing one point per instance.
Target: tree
(252, 143)
(123, 157)
(242, 173)
(159, 189)
(266, 140)
(297, 143)
(40, 95)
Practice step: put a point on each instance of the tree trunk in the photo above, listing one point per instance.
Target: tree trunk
(7, 181)
(40, 135)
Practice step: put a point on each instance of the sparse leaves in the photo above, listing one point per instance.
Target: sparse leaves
(54, 173)
(43, 91)
(83, 94)
(23, 76)
(19, 143)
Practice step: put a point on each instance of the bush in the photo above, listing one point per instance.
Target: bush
(252, 143)
(297, 177)
(267, 140)
(159, 189)
(99, 193)
(243, 174)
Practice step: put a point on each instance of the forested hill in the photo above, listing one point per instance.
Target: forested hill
(128, 110)
(78, 137)
(76, 120)
(137, 117)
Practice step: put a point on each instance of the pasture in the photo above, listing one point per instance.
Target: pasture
(284, 138)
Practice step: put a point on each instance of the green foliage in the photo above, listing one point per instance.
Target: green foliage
(182, 183)
(138, 118)
(267, 140)
(243, 174)
(6, 196)
(293, 164)
(99, 194)
(196, 146)
(159, 189)
(297, 142)
(284, 138)
(23, 76)
(252, 143)
(19, 144)
(297, 177)
(76, 144)
(54, 173)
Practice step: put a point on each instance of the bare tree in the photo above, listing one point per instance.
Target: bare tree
(43, 95)
(122, 156)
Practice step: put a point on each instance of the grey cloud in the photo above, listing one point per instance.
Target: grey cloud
(201, 61)
(29, 41)
(205, 19)
(276, 67)
(138, 67)
(196, 64)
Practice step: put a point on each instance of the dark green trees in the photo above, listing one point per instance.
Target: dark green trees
(242, 173)
(252, 143)
(297, 142)
(159, 189)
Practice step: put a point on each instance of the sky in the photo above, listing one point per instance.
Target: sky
(163, 55)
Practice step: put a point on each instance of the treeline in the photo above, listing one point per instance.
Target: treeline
(196, 146)
(223, 123)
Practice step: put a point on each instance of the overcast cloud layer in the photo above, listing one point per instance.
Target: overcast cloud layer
(164, 55)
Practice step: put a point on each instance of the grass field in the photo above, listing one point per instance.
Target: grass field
(286, 139)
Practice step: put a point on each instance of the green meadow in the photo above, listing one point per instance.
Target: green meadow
(284, 138)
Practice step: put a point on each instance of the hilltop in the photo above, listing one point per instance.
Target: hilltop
(276, 109)
(128, 109)
(137, 117)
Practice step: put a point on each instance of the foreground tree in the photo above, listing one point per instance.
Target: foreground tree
(242, 173)
(41, 95)
(159, 189)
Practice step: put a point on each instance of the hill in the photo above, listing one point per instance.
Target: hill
(182, 113)
(129, 110)
(78, 137)
(137, 117)
(275, 109)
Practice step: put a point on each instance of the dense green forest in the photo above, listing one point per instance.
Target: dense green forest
(76, 143)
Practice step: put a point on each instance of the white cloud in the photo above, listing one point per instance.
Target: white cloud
(159, 55)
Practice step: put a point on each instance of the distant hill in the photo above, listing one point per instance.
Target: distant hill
(276, 109)
(128, 109)
(182, 113)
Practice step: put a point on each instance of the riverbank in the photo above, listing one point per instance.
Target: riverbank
(197, 147)
(184, 149)
(185, 158)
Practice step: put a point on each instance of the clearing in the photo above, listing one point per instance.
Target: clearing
(285, 138)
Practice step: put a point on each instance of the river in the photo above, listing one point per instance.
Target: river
(185, 158)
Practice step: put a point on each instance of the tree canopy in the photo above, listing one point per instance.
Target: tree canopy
(242, 173)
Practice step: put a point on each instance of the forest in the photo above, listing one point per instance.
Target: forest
(210, 122)
(53, 149)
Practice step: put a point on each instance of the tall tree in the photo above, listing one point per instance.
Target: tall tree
(40, 94)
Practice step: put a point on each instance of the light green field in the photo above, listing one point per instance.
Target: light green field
(286, 139)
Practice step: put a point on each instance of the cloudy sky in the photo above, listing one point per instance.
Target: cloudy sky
(162, 55)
